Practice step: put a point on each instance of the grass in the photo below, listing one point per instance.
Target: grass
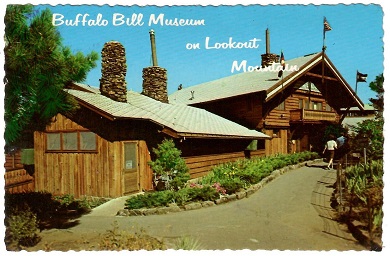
(187, 243)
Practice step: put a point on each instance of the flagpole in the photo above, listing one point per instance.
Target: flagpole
(323, 58)
(282, 56)
(356, 82)
(326, 27)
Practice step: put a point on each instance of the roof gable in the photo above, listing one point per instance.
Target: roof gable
(269, 83)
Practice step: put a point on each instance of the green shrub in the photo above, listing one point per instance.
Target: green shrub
(187, 243)
(205, 193)
(151, 199)
(21, 228)
(169, 163)
(252, 175)
(232, 185)
(164, 198)
(41, 204)
(182, 196)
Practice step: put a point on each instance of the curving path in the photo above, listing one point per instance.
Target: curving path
(291, 212)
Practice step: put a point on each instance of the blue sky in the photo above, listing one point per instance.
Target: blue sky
(355, 42)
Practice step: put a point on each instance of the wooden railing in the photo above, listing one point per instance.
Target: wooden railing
(312, 115)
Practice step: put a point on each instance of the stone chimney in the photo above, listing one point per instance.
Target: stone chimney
(155, 78)
(112, 82)
(268, 58)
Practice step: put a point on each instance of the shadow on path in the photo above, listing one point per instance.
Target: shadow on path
(321, 201)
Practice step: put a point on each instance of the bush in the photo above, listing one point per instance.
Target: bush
(169, 163)
(164, 198)
(365, 187)
(205, 193)
(21, 228)
(151, 199)
(187, 243)
(232, 185)
(41, 204)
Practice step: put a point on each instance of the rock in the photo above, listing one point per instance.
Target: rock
(240, 194)
(162, 210)
(221, 200)
(250, 191)
(150, 211)
(231, 197)
(123, 212)
(154, 83)
(208, 203)
(192, 206)
(134, 212)
(114, 68)
(173, 208)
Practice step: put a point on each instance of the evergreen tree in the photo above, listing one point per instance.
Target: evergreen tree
(377, 86)
(369, 133)
(37, 68)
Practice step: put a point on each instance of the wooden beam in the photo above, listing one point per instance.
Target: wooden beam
(319, 76)
(170, 132)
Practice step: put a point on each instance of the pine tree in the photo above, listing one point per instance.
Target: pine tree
(377, 86)
(37, 68)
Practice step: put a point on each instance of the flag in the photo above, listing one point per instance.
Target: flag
(360, 77)
(327, 27)
(282, 62)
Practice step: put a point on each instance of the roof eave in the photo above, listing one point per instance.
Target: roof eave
(220, 136)
(353, 94)
(272, 91)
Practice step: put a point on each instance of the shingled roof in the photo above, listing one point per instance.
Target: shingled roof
(184, 121)
(268, 82)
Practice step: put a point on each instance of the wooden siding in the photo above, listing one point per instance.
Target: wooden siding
(13, 161)
(80, 174)
(201, 165)
(245, 110)
(99, 173)
(278, 143)
(281, 118)
(16, 178)
(18, 181)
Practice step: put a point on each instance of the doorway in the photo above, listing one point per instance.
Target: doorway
(131, 168)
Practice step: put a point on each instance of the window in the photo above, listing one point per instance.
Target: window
(317, 105)
(307, 106)
(281, 106)
(327, 107)
(74, 141)
(300, 104)
(276, 133)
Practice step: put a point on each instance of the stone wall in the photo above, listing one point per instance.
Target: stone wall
(268, 58)
(155, 83)
(112, 82)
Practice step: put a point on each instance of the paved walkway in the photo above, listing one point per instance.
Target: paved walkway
(291, 212)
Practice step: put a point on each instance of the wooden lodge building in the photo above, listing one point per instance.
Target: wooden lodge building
(104, 147)
(292, 107)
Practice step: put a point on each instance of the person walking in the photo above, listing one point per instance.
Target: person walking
(330, 146)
